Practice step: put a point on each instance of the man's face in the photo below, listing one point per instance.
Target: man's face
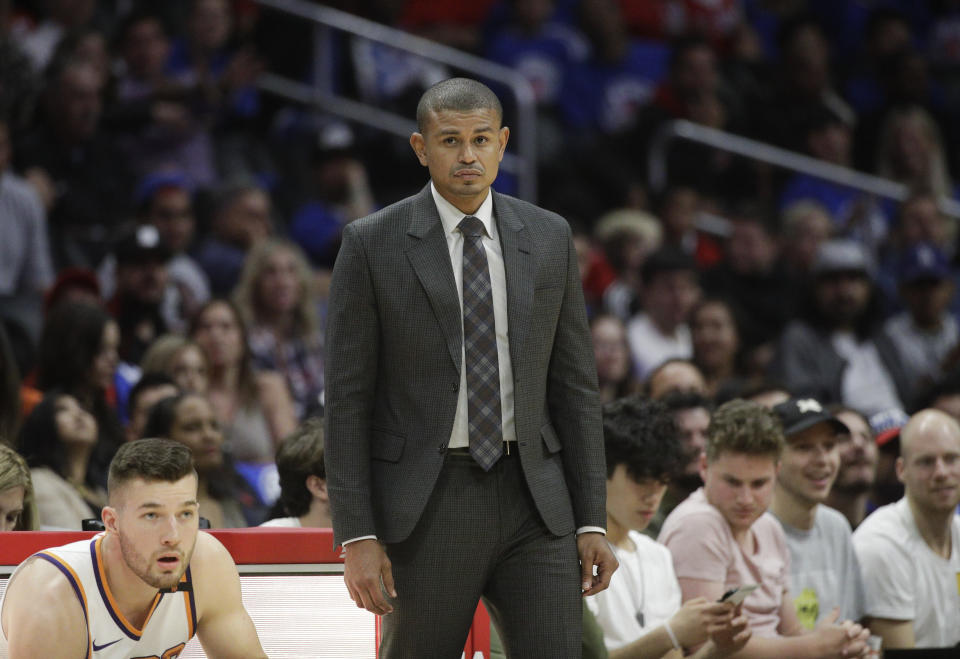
(927, 299)
(676, 376)
(740, 486)
(930, 468)
(858, 456)
(172, 214)
(842, 297)
(145, 49)
(157, 524)
(463, 151)
(692, 427)
(809, 464)
(78, 103)
(196, 427)
(670, 296)
(633, 504)
(751, 250)
(141, 410)
(246, 221)
(145, 280)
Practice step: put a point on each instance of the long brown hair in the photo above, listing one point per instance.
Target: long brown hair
(14, 473)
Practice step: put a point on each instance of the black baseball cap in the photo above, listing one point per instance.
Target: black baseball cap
(141, 244)
(798, 414)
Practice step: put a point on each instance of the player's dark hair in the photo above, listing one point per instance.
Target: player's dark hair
(640, 434)
(300, 455)
(150, 459)
(458, 95)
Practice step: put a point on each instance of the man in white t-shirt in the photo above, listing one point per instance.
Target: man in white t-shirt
(721, 537)
(824, 572)
(910, 550)
(640, 613)
(303, 479)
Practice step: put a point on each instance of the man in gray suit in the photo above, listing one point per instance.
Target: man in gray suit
(464, 445)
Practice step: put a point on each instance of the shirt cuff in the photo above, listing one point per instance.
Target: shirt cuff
(362, 537)
(584, 529)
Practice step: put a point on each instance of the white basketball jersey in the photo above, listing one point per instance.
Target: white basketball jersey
(172, 620)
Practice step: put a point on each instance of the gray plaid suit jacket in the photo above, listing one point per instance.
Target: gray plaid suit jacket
(394, 337)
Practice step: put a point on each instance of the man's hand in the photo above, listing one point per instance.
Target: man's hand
(698, 618)
(365, 568)
(732, 638)
(594, 550)
(845, 639)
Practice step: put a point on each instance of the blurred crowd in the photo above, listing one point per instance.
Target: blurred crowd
(168, 227)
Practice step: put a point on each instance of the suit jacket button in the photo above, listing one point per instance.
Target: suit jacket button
(456, 386)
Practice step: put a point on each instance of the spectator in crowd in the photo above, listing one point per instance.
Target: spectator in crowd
(612, 354)
(836, 353)
(26, 269)
(828, 138)
(241, 217)
(640, 613)
(805, 224)
(751, 276)
(164, 201)
(911, 152)
(254, 409)
(824, 572)
(886, 426)
(303, 478)
(678, 209)
(670, 290)
(675, 375)
(58, 440)
(278, 304)
(78, 356)
(224, 497)
(162, 121)
(151, 388)
(691, 415)
(339, 194)
(179, 358)
(910, 550)
(11, 392)
(137, 303)
(765, 392)
(81, 177)
(722, 538)
(627, 237)
(853, 486)
(18, 507)
(60, 16)
(926, 333)
(943, 395)
(715, 335)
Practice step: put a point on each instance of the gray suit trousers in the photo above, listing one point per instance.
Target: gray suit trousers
(481, 536)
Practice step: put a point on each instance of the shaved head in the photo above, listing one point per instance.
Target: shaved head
(924, 423)
(457, 95)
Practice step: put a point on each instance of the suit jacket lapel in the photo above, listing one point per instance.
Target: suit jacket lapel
(518, 265)
(427, 251)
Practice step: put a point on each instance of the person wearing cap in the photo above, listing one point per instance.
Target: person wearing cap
(835, 353)
(164, 200)
(660, 332)
(852, 491)
(910, 550)
(824, 572)
(626, 237)
(722, 538)
(141, 285)
(926, 332)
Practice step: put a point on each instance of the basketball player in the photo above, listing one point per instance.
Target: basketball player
(143, 587)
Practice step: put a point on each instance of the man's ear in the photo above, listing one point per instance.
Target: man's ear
(109, 516)
(898, 467)
(318, 487)
(419, 147)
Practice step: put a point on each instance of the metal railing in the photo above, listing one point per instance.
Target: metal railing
(522, 163)
(748, 148)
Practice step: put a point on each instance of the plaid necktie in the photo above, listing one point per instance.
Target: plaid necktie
(480, 349)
